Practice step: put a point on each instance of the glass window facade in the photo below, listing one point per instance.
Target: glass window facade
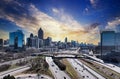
(19, 34)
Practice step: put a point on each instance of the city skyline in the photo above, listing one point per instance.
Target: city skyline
(79, 20)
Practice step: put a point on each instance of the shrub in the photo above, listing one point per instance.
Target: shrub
(8, 77)
(4, 67)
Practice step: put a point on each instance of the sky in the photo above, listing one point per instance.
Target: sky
(79, 20)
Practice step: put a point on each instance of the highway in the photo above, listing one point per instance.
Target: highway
(32, 76)
(16, 61)
(108, 65)
(83, 70)
(58, 74)
(13, 71)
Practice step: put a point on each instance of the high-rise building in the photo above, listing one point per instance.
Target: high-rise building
(66, 40)
(34, 41)
(31, 35)
(40, 34)
(1, 42)
(117, 41)
(110, 41)
(6, 42)
(47, 42)
(108, 38)
(16, 39)
(29, 41)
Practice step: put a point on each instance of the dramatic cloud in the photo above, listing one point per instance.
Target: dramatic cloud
(114, 24)
(4, 34)
(58, 27)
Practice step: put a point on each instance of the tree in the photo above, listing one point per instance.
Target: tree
(9, 77)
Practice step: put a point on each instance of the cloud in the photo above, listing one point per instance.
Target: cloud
(58, 27)
(67, 19)
(55, 10)
(94, 3)
(86, 10)
(3, 34)
(76, 30)
(114, 24)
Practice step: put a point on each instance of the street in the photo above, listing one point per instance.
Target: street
(83, 70)
(58, 74)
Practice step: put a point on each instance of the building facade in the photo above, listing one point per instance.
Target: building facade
(1, 42)
(34, 41)
(40, 34)
(110, 41)
(16, 39)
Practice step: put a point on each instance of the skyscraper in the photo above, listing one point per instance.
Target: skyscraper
(108, 38)
(47, 42)
(31, 35)
(66, 40)
(16, 39)
(1, 42)
(40, 34)
(110, 41)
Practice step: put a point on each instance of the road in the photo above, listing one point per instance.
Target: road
(32, 76)
(108, 65)
(13, 71)
(84, 71)
(58, 74)
(15, 61)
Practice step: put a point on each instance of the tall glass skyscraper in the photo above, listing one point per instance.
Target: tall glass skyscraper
(40, 34)
(16, 39)
(110, 41)
(108, 38)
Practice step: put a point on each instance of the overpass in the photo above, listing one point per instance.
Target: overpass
(58, 54)
(68, 54)
(61, 54)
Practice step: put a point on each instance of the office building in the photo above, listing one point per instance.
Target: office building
(40, 34)
(1, 42)
(117, 41)
(47, 42)
(34, 41)
(108, 38)
(110, 41)
(6, 42)
(66, 40)
(16, 39)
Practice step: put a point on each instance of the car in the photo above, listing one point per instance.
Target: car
(30, 76)
(42, 77)
(83, 76)
(52, 65)
(55, 71)
(87, 76)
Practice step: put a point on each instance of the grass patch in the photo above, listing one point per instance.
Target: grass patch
(70, 70)
(13, 66)
(48, 72)
(39, 65)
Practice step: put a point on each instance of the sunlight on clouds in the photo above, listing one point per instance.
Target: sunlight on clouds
(112, 25)
(66, 19)
(4, 34)
(64, 25)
